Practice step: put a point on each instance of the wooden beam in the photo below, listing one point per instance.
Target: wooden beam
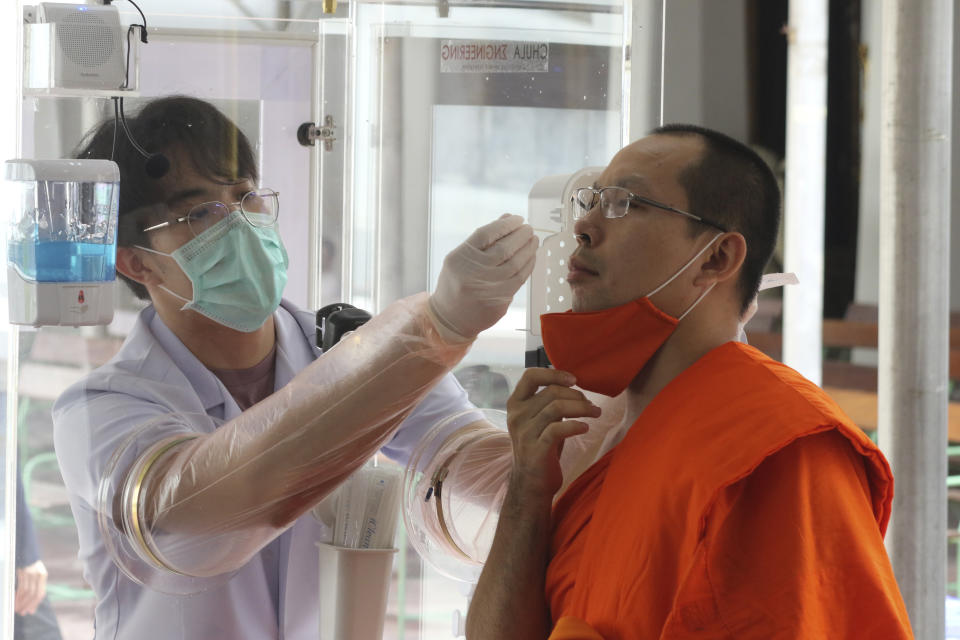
(861, 407)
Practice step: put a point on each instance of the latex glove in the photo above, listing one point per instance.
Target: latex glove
(481, 275)
(31, 588)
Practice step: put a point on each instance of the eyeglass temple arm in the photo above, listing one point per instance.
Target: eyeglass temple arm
(168, 223)
(654, 203)
(157, 226)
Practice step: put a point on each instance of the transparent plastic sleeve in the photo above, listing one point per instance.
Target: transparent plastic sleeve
(203, 503)
(453, 487)
(455, 483)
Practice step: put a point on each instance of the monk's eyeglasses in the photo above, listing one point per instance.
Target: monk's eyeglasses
(616, 202)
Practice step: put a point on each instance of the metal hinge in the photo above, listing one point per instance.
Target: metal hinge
(308, 133)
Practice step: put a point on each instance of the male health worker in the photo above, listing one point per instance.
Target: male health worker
(193, 457)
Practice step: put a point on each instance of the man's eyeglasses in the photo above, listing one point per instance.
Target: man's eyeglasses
(259, 207)
(615, 202)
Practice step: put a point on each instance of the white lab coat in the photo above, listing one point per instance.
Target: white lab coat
(152, 375)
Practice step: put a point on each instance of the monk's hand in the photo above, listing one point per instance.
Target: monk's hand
(539, 414)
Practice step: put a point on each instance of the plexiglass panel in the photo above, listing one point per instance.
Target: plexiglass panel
(440, 117)
(256, 65)
(459, 111)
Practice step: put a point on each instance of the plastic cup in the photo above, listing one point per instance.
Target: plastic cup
(354, 584)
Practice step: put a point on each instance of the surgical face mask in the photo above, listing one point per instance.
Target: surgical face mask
(606, 349)
(238, 272)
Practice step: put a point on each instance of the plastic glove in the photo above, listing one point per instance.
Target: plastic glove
(480, 277)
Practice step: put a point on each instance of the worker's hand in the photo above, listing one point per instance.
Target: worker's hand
(480, 276)
(31, 588)
(537, 417)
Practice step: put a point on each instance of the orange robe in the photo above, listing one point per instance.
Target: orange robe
(742, 504)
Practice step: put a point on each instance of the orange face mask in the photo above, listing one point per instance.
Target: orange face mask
(606, 349)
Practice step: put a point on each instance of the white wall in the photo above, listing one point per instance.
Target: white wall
(705, 67)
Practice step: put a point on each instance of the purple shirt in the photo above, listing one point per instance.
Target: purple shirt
(250, 386)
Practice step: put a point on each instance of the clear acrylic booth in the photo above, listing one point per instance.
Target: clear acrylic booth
(421, 121)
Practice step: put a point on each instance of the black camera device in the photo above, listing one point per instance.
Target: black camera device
(336, 320)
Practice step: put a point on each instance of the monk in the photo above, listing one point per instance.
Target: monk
(736, 500)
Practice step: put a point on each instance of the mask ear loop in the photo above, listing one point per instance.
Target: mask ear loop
(186, 301)
(697, 301)
(684, 268)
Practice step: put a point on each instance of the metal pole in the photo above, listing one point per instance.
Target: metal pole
(914, 295)
(805, 185)
(315, 199)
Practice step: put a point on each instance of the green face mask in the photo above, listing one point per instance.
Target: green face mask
(238, 272)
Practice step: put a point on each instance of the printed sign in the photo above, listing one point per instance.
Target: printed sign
(493, 56)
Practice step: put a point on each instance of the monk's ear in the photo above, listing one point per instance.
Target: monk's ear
(131, 264)
(724, 259)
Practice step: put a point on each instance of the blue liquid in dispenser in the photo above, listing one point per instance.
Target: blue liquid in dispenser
(64, 261)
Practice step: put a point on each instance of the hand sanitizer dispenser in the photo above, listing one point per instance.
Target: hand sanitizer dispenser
(61, 240)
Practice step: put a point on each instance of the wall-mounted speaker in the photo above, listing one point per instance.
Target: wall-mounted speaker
(75, 46)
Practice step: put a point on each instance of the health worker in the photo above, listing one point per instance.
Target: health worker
(192, 458)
